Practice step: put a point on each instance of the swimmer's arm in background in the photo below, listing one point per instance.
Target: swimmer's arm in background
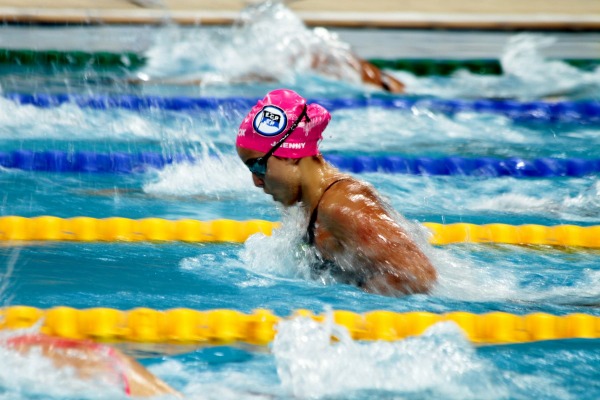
(369, 73)
(374, 76)
(361, 225)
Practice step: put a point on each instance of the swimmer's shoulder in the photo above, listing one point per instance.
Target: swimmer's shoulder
(348, 194)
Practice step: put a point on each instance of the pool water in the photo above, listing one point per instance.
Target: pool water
(269, 272)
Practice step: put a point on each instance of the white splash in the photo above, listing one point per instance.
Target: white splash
(69, 121)
(579, 201)
(293, 259)
(461, 278)
(404, 131)
(31, 375)
(523, 60)
(584, 292)
(441, 361)
(212, 176)
(527, 75)
(514, 202)
(268, 43)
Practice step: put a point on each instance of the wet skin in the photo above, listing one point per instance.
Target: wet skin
(353, 228)
(93, 362)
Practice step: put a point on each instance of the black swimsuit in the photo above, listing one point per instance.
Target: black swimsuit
(310, 231)
(322, 265)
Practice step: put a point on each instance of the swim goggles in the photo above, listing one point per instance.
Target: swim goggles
(258, 166)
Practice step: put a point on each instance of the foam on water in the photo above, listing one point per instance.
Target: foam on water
(293, 259)
(208, 176)
(307, 364)
(576, 201)
(527, 75)
(196, 380)
(248, 50)
(71, 122)
(68, 122)
(419, 130)
(522, 59)
(424, 132)
(583, 206)
(570, 200)
(32, 375)
(440, 362)
(585, 291)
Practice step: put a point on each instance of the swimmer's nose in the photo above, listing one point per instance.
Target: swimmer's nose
(259, 183)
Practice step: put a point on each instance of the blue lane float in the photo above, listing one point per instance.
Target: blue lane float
(120, 162)
(87, 161)
(581, 112)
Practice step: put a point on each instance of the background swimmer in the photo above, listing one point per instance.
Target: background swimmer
(369, 73)
(268, 43)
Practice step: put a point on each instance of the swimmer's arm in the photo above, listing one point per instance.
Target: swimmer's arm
(141, 382)
(362, 226)
(373, 75)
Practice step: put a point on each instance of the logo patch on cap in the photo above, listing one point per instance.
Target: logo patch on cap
(270, 121)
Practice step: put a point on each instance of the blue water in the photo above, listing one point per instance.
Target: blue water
(265, 272)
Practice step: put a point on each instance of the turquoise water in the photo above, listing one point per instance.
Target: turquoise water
(266, 272)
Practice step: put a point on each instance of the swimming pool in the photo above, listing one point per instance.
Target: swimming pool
(266, 272)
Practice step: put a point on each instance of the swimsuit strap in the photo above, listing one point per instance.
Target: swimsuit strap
(310, 231)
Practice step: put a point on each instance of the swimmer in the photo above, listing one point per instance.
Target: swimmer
(354, 234)
(93, 361)
(369, 73)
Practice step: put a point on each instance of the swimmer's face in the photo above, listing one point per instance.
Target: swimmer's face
(282, 179)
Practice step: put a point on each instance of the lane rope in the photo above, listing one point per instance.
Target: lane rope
(130, 60)
(50, 228)
(184, 325)
(579, 111)
(121, 162)
(76, 58)
(446, 67)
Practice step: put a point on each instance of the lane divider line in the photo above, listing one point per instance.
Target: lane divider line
(121, 162)
(187, 326)
(50, 228)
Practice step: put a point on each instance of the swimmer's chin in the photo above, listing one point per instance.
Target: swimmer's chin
(270, 194)
(276, 199)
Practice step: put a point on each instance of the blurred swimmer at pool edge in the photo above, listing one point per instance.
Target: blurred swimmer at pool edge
(93, 362)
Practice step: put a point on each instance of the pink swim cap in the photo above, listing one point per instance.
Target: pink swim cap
(271, 117)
